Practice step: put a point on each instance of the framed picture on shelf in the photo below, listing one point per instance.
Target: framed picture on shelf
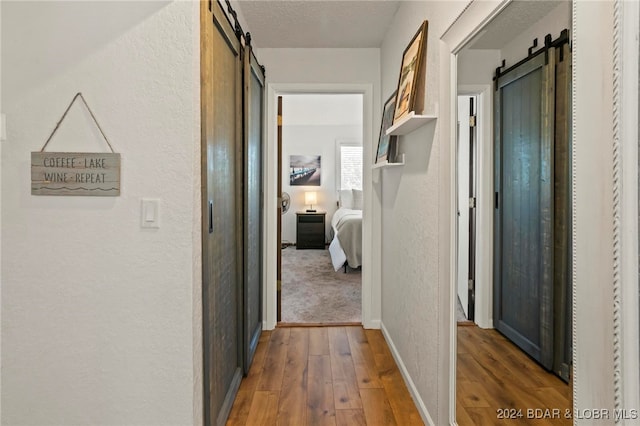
(386, 143)
(412, 75)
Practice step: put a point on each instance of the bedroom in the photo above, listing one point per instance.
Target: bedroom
(321, 209)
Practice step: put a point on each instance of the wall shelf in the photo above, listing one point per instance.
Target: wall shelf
(409, 123)
(386, 164)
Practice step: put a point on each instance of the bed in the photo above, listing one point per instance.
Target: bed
(346, 225)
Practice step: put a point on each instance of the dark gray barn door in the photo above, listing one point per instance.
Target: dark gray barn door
(253, 190)
(221, 105)
(523, 272)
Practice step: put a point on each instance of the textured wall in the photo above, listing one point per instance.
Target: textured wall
(553, 23)
(477, 66)
(593, 244)
(97, 313)
(411, 276)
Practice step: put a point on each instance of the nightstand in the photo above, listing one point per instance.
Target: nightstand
(310, 230)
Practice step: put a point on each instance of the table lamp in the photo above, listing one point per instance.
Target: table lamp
(311, 199)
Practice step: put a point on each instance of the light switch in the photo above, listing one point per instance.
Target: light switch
(150, 213)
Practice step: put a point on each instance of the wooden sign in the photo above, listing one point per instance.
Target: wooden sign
(75, 173)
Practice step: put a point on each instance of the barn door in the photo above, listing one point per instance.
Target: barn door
(221, 103)
(253, 139)
(524, 209)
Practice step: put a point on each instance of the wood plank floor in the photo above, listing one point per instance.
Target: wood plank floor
(323, 376)
(493, 375)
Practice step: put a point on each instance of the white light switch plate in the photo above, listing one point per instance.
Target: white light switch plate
(150, 213)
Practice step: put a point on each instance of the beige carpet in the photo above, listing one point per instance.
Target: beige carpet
(312, 292)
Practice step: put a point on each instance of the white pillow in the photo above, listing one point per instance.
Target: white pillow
(345, 198)
(357, 200)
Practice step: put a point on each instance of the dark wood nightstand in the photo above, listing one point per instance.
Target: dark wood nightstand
(310, 230)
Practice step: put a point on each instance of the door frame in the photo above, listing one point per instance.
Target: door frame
(484, 205)
(371, 289)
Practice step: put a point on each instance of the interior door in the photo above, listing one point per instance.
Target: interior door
(463, 202)
(524, 212)
(221, 104)
(471, 250)
(253, 201)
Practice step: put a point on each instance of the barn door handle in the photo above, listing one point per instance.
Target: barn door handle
(497, 200)
(210, 217)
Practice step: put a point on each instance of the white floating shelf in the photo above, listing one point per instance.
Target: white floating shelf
(409, 123)
(385, 164)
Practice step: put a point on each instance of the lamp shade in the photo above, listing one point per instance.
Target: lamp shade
(310, 197)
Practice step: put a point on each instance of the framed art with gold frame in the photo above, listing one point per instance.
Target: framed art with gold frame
(412, 75)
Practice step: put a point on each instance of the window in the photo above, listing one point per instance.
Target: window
(349, 165)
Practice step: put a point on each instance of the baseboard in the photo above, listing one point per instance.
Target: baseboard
(372, 324)
(422, 409)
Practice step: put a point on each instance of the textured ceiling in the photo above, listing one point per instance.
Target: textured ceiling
(315, 24)
(510, 23)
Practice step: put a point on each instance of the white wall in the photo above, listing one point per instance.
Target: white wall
(594, 251)
(413, 279)
(477, 66)
(311, 125)
(327, 71)
(98, 314)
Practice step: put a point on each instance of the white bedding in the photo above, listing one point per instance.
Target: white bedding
(346, 245)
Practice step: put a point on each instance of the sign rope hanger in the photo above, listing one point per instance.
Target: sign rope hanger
(78, 95)
(75, 173)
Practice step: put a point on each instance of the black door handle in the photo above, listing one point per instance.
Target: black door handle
(210, 217)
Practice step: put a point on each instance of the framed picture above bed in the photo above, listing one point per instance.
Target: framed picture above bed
(387, 143)
(412, 75)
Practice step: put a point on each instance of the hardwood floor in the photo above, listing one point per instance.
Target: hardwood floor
(494, 375)
(323, 376)
(347, 376)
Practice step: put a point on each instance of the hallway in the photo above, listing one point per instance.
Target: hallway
(323, 376)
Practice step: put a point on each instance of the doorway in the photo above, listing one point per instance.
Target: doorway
(320, 155)
(370, 298)
(467, 143)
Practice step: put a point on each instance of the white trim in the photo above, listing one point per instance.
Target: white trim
(371, 290)
(470, 22)
(375, 324)
(453, 237)
(415, 395)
